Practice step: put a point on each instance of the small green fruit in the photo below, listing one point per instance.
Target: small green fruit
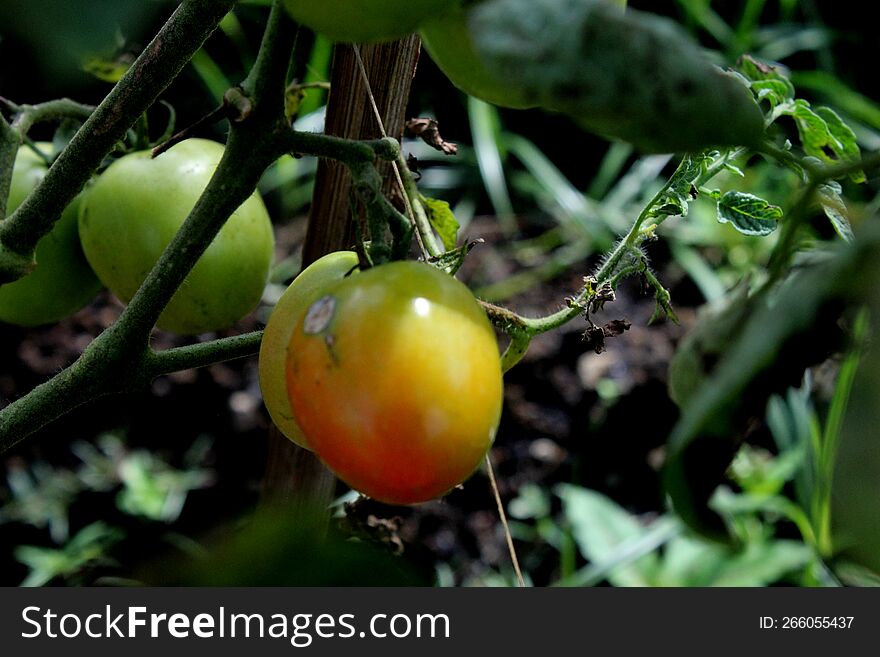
(136, 207)
(62, 281)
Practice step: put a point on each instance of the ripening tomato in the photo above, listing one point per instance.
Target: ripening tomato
(364, 20)
(305, 290)
(135, 208)
(395, 379)
(62, 281)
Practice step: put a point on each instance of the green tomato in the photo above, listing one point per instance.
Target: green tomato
(364, 20)
(135, 208)
(449, 40)
(62, 281)
(302, 293)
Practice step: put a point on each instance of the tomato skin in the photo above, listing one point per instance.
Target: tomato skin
(134, 209)
(305, 289)
(62, 282)
(364, 20)
(400, 391)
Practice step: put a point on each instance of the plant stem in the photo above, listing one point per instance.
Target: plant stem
(26, 116)
(202, 354)
(422, 224)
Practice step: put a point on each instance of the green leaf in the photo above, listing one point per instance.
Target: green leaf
(443, 221)
(749, 214)
(451, 261)
(761, 564)
(630, 75)
(774, 92)
(600, 527)
(87, 547)
(760, 473)
(849, 147)
(855, 105)
(688, 561)
(831, 199)
(768, 80)
(532, 502)
(825, 136)
(782, 335)
(813, 130)
(106, 69)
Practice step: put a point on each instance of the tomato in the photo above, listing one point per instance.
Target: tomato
(135, 208)
(305, 290)
(62, 281)
(364, 20)
(449, 40)
(395, 379)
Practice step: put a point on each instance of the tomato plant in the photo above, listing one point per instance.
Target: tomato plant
(62, 281)
(364, 20)
(395, 380)
(392, 376)
(133, 211)
(306, 288)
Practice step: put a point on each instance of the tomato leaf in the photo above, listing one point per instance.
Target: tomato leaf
(769, 81)
(825, 136)
(631, 75)
(748, 213)
(681, 191)
(829, 195)
(105, 68)
(442, 220)
(849, 148)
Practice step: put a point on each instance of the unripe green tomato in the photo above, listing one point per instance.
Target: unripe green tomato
(449, 41)
(395, 379)
(364, 20)
(305, 290)
(62, 281)
(135, 208)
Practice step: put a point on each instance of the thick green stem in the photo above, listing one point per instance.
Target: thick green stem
(26, 116)
(188, 27)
